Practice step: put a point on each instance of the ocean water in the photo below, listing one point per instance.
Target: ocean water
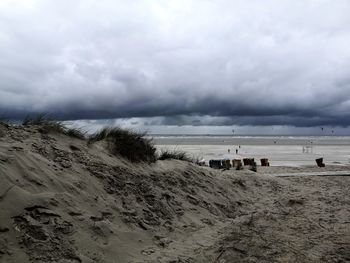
(280, 150)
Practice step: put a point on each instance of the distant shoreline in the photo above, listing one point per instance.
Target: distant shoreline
(241, 135)
(251, 140)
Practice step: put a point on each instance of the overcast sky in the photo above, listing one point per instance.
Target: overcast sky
(178, 62)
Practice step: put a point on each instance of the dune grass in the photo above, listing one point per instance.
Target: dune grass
(132, 145)
(76, 133)
(4, 121)
(47, 125)
(174, 154)
(39, 119)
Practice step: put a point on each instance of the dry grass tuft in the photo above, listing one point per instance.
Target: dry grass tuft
(47, 125)
(127, 143)
(175, 154)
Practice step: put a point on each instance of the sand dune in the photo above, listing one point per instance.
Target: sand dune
(64, 201)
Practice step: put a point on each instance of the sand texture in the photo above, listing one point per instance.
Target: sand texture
(64, 201)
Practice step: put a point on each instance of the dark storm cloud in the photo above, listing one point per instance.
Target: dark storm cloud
(189, 62)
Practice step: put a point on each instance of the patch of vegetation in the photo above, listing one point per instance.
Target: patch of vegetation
(175, 154)
(39, 119)
(4, 121)
(2, 124)
(75, 133)
(127, 143)
(47, 125)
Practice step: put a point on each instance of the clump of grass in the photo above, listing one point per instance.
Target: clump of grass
(127, 143)
(39, 119)
(100, 135)
(174, 154)
(75, 133)
(4, 122)
(47, 125)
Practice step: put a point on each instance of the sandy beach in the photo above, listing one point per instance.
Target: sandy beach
(63, 200)
(280, 150)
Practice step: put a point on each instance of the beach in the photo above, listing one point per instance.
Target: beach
(63, 199)
(280, 150)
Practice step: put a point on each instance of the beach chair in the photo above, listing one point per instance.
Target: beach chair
(320, 163)
(248, 161)
(216, 164)
(264, 162)
(236, 162)
(226, 164)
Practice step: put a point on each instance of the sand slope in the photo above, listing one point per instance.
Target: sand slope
(64, 201)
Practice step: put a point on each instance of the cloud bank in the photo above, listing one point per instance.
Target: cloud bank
(189, 62)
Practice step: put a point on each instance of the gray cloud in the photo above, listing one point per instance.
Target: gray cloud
(208, 125)
(193, 62)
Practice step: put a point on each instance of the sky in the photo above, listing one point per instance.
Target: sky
(192, 66)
